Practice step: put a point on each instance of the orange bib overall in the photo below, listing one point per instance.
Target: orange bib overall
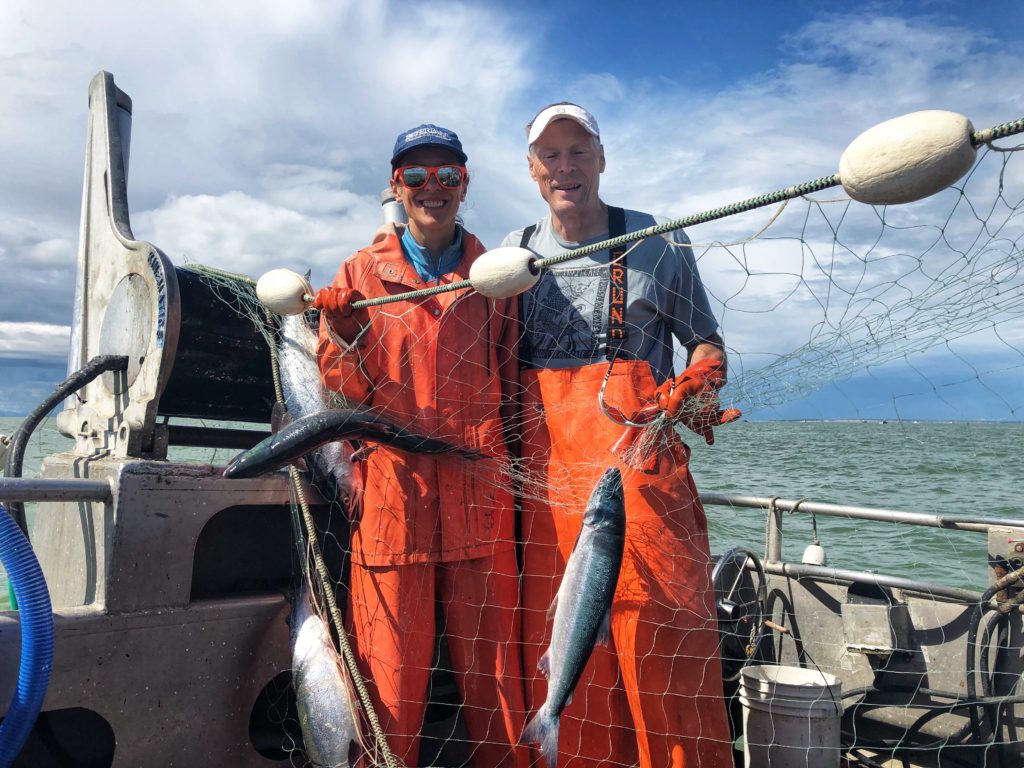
(654, 697)
(434, 528)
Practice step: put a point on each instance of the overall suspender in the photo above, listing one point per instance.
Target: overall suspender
(524, 337)
(527, 236)
(616, 290)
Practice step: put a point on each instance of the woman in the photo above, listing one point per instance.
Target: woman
(431, 530)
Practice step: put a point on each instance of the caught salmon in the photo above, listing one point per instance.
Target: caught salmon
(317, 429)
(582, 608)
(330, 465)
(323, 690)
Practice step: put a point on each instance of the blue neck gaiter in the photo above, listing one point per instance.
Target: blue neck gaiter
(425, 265)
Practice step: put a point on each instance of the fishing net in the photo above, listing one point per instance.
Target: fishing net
(877, 356)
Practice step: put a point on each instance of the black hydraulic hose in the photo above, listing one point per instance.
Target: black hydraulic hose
(991, 704)
(19, 440)
(988, 704)
(865, 691)
(994, 684)
(990, 679)
(972, 643)
(906, 743)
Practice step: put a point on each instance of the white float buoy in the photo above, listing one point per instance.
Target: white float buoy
(814, 554)
(907, 158)
(284, 292)
(504, 272)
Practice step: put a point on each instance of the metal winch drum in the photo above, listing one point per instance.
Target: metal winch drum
(190, 353)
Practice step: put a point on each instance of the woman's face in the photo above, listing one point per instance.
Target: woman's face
(431, 208)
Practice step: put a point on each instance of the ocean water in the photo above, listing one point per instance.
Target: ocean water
(946, 468)
(962, 468)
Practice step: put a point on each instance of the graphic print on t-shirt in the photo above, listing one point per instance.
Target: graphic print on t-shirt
(567, 319)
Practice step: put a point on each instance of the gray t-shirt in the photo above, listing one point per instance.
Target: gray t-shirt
(565, 315)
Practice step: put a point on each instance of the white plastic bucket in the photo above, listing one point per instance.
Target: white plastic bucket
(790, 717)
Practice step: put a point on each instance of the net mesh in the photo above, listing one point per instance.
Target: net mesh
(876, 354)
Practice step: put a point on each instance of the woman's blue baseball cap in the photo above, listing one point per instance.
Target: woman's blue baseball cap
(427, 135)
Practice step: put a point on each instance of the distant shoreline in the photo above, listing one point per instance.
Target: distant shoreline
(839, 420)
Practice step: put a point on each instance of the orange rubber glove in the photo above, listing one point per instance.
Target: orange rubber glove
(691, 398)
(336, 306)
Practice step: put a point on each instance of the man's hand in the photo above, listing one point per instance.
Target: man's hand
(691, 398)
(336, 306)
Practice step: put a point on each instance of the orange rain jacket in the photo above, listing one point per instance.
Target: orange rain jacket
(443, 366)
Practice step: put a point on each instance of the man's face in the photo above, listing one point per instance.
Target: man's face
(431, 208)
(567, 167)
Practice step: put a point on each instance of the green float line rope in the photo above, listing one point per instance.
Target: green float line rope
(698, 218)
(446, 288)
(977, 139)
(1000, 131)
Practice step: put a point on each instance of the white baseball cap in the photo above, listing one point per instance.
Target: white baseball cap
(557, 112)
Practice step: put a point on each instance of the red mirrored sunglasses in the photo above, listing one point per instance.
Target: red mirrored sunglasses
(417, 176)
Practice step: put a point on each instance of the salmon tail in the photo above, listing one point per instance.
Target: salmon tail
(543, 731)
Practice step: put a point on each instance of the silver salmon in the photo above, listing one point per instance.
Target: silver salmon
(310, 432)
(581, 608)
(317, 431)
(323, 690)
(330, 465)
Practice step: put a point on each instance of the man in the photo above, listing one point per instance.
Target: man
(597, 343)
(432, 530)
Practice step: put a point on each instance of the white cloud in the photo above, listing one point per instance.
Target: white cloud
(33, 341)
(246, 234)
(262, 131)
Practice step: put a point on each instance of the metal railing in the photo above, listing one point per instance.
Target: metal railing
(956, 522)
(37, 489)
(774, 507)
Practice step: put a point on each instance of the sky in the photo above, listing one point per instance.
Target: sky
(262, 132)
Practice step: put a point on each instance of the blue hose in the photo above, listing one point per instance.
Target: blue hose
(36, 617)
